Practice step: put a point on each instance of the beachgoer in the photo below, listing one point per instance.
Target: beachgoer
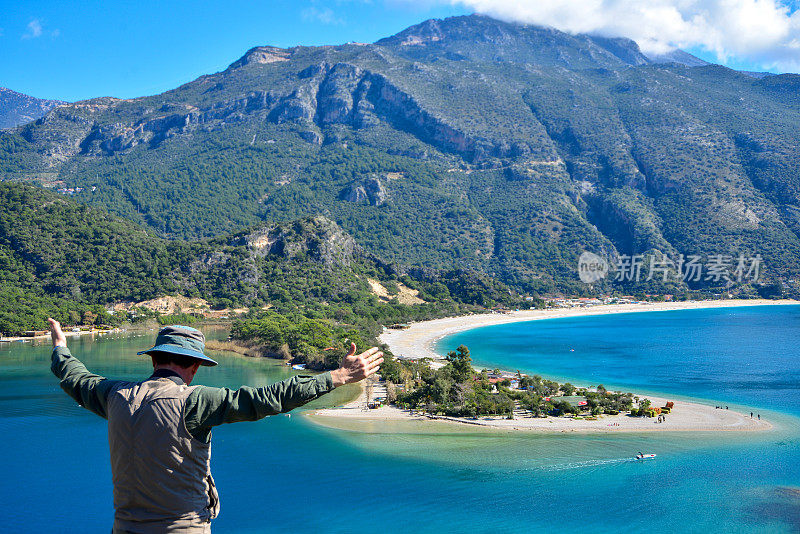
(759, 417)
(751, 415)
(159, 430)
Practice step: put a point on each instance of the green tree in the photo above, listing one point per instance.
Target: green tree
(461, 362)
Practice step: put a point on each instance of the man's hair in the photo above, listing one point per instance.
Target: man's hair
(167, 358)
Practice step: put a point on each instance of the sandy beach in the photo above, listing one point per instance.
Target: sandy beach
(685, 417)
(418, 340)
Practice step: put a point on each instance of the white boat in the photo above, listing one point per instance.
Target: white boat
(299, 366)
(641, 456)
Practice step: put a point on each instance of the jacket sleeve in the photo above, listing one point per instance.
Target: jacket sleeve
(88, 389)
(208, 407)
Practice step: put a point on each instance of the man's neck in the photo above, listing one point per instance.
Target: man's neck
(185, 374)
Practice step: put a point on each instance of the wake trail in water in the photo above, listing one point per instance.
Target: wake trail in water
(583, 464)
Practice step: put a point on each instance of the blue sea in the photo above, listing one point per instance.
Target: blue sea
(285, 474)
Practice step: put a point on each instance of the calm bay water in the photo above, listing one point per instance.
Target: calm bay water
(288, 475)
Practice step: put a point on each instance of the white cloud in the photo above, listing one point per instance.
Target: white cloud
(324, 15)
(34, 29)
(766, 32)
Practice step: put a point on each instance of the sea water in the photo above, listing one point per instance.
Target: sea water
(285, 474)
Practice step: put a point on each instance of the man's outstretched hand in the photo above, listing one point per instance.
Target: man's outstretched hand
(58, 337)
(357, 367)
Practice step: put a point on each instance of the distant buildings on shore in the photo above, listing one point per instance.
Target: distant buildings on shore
(583, 302)
(70, 331)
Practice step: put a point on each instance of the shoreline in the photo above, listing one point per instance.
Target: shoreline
(419, 339)
(126, 328)
(685, 417)
(67, 333)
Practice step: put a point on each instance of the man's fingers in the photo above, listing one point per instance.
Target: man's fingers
(372, 367)
(363, 365)
(56, 334)
(370, 361)
(374, 357)
(368, 353)
(55, 326)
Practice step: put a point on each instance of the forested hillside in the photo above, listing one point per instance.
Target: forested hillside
(65, 259)
(466, 142)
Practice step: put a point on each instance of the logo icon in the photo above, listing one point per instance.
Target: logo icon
(592, 268)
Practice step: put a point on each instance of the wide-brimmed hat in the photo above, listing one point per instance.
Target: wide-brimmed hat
(182, 340)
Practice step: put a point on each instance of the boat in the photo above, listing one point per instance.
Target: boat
(642, 456)
(299, 366)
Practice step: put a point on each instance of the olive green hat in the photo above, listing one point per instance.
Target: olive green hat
(181, 340)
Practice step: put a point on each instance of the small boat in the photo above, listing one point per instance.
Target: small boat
(299, 366)
(642, 456)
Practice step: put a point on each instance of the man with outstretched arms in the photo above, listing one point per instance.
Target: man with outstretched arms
(159, 430)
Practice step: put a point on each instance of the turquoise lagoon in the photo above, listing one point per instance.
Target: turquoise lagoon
(288, 475)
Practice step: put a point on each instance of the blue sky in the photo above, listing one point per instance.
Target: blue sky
(52, 49)
(77, 50)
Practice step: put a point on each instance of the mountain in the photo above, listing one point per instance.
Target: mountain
(17, 109)
(678, 56)
(63, 259)
(504, 148)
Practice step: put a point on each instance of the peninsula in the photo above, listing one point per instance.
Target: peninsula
(417, 343)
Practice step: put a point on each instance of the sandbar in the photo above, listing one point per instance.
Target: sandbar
(419, 339)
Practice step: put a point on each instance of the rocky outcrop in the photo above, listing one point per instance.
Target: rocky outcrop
(60, 132)
(625, 49)
(261, 55)
(311, 136)
(336, 94)
(355, 193)
(429, 31)
(328, 94)
(346, 94)
(370, 191)
(315, 238)
(299, 106)
(111, 138)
